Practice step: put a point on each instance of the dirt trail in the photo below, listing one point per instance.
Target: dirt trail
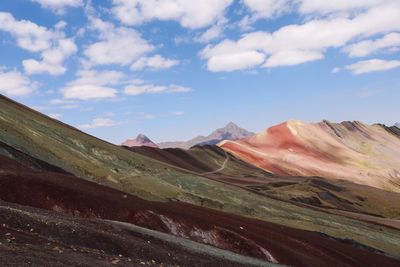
(219, 169)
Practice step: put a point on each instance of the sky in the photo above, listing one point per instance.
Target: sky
(175, 69)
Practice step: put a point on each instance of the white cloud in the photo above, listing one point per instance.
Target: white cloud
(190, 14)
(372, 65)
(156, 62)
(91, 84)
(267, 8)
(292, 57)
(117, 45)
(52, 59)
(87, 92)
(13, 83)
(29, 36)
(98, 77)
(235, 61)
(326, 7)
(154, 89)
(214, 32)
(59, 6)
(367, 47)
(299, 43)
(98, 122)
(54, 47)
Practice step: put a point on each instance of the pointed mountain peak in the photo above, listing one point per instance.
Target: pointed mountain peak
(143, 138)
(231, 125)
(140, 140)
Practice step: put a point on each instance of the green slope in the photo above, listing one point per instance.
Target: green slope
(92, 159)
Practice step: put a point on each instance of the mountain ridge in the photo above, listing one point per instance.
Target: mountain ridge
(130, 173)
(229, 132)
(365, 154)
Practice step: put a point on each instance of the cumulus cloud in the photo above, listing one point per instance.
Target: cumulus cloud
(88, 92)
(300, 43)
(98, 122)
(154, 89)
(52, 60)
(292, 57)
(93, 77)
(117, 45)
(29, 36)
(214, 32)
(327, 7)
(190, 14)
(54, 47)
(90, 85)
(13, 83)
(59, 6)
(267, 8)
(372, 65)
(156, 62)
(364, 48)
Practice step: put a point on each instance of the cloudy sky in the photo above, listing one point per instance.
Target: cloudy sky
(173, 69)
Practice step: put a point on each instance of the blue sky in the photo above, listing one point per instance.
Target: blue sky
(174, 69)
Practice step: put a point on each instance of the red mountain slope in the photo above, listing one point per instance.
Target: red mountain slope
(353, 151)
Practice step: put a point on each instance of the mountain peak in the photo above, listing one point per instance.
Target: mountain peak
(231, 125)
(143, 138)
(140, 140)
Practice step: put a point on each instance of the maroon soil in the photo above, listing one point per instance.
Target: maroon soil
(173, 156)
(68, 194)
(36, 237)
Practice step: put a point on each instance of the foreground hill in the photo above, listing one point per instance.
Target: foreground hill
(88, 235)
(230, 132)
(353, 151)
(103, 164)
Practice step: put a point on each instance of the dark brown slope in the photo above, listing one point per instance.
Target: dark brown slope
(205, 159)
(35, 237)
(68, 194)
(10, 152)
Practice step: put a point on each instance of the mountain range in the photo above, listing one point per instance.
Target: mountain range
(352, 151)
(230, 132)
(297, 194)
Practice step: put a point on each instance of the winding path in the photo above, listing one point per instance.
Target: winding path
(219, 169)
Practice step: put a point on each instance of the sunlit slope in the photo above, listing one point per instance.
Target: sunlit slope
(353, 151)
(104, 163)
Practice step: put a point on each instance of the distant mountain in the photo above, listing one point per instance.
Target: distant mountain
(140, 140)
(230, 132)
(397, 125)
